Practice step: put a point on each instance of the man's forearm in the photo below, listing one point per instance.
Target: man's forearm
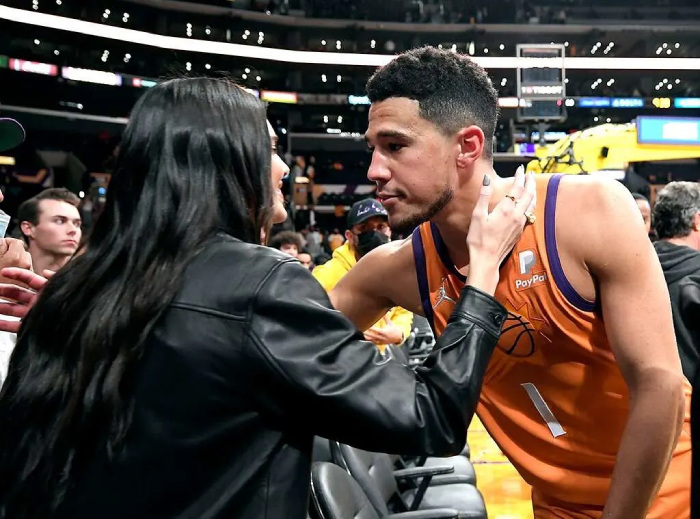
(654, 423)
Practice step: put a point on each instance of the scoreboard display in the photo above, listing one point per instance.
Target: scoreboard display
(541, 82)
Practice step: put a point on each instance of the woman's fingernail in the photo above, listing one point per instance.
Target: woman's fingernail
(487, 180)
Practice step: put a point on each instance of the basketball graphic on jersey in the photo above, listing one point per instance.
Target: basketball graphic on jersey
(520, 331)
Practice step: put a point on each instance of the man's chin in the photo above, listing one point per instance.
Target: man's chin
(404, 224)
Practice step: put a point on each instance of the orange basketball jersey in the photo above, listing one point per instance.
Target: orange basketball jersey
(553, 396)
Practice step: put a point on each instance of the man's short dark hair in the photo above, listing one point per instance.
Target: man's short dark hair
(639, 196)
(675, 208)
(29, 209)
(452, 90)
(286, 238)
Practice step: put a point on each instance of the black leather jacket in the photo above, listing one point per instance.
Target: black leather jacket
(246, 366)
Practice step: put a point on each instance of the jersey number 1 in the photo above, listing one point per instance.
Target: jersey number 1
(545, 412)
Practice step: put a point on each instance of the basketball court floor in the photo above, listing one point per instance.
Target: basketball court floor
(507, 496)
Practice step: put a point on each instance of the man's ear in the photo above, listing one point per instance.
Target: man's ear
(696, 222)
(348, 235)
(471, 141)
(27, 229)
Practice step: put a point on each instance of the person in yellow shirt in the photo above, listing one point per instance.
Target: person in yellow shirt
(368, 228)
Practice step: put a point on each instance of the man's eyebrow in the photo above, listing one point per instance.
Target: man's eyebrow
(390, 134)
(275, 140)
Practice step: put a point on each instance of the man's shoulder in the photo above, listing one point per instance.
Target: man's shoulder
(592, 207)
(598, 226)
(590, 192)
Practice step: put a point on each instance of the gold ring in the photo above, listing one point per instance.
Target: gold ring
(512, 198)
(531, 218)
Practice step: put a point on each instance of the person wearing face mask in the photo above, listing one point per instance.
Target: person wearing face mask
(368, 228)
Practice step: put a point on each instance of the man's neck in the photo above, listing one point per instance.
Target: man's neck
(454, 220)
(686, 241)
(42, 260)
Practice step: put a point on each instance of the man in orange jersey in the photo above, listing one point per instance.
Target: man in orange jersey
(584, 393)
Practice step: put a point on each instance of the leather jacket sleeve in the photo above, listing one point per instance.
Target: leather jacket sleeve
(320, 376)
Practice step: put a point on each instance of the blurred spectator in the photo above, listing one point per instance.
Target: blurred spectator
(322, 258)
(306, 259)
(645, 209)
(690, 295)
(313, 241)
(289, 242)
(368, 228)
(677, 224)
(50, 223)
(335, 239)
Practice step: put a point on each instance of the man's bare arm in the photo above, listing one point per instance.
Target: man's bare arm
(384, 278)
(637, 315)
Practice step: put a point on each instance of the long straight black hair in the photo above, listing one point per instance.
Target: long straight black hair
(194, 162)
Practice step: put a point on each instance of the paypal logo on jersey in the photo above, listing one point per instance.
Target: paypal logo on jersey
(527, 261)
(536, 279)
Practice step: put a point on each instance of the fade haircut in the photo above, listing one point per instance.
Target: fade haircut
(452, 91)
(675, 209)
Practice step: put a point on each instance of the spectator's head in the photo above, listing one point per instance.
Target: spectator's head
(368, 226)
(50, 222)
(432, 120)
(288, 242)
(11, 135)
(644, 209)
(677, 213)
(305, 259)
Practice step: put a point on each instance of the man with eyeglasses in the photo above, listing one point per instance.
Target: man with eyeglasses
(368, 228)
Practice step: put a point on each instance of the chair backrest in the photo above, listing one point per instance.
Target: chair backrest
(336, 495)
(373, 471)
(422, 343)
(321, 450)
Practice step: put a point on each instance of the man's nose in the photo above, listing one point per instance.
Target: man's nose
(378, 172)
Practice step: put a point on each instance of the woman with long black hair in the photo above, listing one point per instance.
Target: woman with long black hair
(176, 368)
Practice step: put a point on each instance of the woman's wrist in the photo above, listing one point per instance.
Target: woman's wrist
(484, 277)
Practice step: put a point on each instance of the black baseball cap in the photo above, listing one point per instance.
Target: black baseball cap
(365, 209)
(11, 134)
